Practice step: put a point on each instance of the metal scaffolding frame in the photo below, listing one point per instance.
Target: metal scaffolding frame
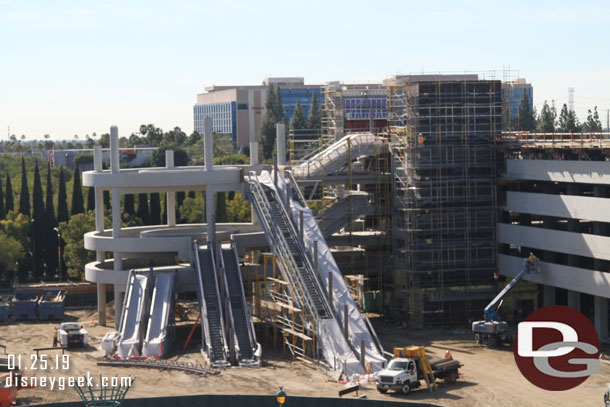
(443, 136)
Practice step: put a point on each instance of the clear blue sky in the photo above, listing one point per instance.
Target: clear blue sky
(77, 67)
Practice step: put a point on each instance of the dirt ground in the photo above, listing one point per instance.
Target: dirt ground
(489, 376)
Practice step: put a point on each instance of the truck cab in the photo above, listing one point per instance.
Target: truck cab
(71, 334)
(400, 375)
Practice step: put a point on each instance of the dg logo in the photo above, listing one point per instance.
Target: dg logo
(557, 348)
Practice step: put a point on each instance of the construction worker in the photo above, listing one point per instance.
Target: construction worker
(448, 354)
(55, 339)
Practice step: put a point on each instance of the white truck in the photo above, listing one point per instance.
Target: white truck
(71, 334)
(405, 374)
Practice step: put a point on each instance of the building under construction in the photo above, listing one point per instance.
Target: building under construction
(443, 131)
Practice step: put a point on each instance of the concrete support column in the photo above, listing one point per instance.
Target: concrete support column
(210, 215)
(600, 316)
(208, 141)
(114, 150)
(599, 228)
(170, 197)
(99, 226)
(253, 153)
(548, 294)
(280, 134)
(574, 299)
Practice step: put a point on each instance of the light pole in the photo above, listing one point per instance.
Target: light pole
(58, 251)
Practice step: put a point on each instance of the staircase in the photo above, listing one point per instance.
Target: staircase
(338, 216)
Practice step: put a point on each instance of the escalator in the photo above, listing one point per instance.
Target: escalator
(210, 305)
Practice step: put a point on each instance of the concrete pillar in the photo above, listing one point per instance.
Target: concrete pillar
(208, 140)
(599, 228)
(280, 134)
(600, 308)
(119, 295)
(253, 153)
(548, 294)
(574, 299)
(99, 226)
(210, 213)
(170, 197)
(116, 213)
(114, 150)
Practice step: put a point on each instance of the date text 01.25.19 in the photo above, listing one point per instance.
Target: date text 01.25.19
(38, 362)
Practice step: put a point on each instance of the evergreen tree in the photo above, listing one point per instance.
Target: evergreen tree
(62, 199)
(90, 199)
(51, 243)
(78, 203)
(297, 122)
(221, 207)
(2, 210)
(9, 200)
(274, 113)
(129, 205)
(527, 122)
(593, 123)
(39, 231)
(155, 209)
(24, 196)
(314, 118)
(547, 119)
(143, 212)
(278, 108)
(107, 203)
(564, 117)
(598, 123)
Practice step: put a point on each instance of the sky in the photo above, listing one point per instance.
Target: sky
(78, 67)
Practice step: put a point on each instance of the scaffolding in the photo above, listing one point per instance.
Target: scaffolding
(443, 136)
(274, 305)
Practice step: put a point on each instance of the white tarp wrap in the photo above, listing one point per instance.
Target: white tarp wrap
(160, 310)
(335, 156)
(134, 314)
(330, 333)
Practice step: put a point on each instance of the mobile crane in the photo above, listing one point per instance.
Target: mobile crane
(492, 329)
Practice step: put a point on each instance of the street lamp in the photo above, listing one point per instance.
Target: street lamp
(281, 396)
(58, 251)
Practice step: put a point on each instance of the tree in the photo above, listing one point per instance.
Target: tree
(12, 253)
(90, 199)
(51, 241)
(9, 203)
(238, 209)
(527, 122)
(297, 122)
(18, 226)
(75, 255)
(191, 210)
(39, 224)
(547, 119)
(181, 158)
(143, 212)
(107, 204)
(62, 199)
(24, 196)
(105, 140)
(175, 136)
(129, 205)
(593, 123)
(78, 203)
(567, 121)
(273, 114)
(221, 208)
(155, 209)
(2, 210)
(154, 135)
(314, 118)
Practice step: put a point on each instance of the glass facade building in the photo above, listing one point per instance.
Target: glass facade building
(305, 96)
(512, 97)
(224, 118)
(362, 108)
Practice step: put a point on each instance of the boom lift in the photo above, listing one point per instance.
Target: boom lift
(492, 329)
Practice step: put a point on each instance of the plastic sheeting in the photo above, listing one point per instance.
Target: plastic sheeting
(135, 315)
(161, 310)
(335, 347)
(335, 156)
